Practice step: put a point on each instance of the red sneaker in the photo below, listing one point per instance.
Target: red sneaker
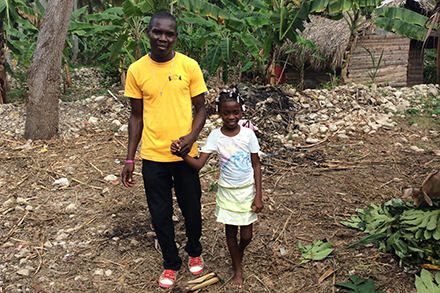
(195, 265)
(167, 278)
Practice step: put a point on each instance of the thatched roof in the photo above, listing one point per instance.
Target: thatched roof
(331, 38)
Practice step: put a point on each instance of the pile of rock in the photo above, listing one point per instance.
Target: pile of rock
(287, 116)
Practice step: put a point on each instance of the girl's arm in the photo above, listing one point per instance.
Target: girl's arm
(193, 162)
(257, 205)
(196, 163)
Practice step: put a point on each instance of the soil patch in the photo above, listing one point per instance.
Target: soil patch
(95, 235)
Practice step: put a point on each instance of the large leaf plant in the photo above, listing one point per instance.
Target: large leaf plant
(245, 33)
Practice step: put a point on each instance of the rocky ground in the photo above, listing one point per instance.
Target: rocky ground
(67, 224)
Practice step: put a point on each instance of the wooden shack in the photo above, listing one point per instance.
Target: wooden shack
(401, 63)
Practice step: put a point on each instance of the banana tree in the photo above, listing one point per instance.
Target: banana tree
(253, 25)
(117, 33)
(20, 42)
(401, 21)
(355, 12)
(302, 58)
(409, 24)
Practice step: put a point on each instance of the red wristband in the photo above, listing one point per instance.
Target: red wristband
(129, 161)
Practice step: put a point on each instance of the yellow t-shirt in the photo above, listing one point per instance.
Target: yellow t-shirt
(168, 116)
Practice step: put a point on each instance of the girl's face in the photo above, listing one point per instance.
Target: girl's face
(231, 112)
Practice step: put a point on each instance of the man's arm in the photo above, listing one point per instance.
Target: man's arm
(197, 125)
(135, 125)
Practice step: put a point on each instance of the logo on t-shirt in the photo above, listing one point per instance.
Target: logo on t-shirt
(174, 77)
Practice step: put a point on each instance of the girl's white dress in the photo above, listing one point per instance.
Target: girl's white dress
(236, 184)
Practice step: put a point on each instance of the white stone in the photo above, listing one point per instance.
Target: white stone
(366, 129)
(23, 272)
(108, 273)
(71, 207)
(311, 140)
(61, 182)
(332, 127)
(48, 244)
(10, 202)
(323, 129)
(342, 136)
(93, 120)
(313, 116)
(61, 236)
(416, 149)
(313, 129)
(110, 178)
(99, 272)
(116, 122)
(123, 128)
(99, 98)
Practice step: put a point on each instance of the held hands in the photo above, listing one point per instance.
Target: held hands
(186, 143)
(257, 205)
(175, 147)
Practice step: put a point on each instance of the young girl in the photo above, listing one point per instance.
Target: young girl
(239, 195)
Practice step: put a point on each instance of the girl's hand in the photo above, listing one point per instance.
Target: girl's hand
(175, 146)
(257, 205)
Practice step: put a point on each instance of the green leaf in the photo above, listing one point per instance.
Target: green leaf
(116, 48)
(368, 239)
(131, 9)
(403, 14)
(226, 45)
(401, 28)
(77, 13)
(247, 66)
(317, 251)
(105, 17)
(427, 234)
(250, 45)
(196, 19)
(433, 222)
(212, 59)
(436, 234)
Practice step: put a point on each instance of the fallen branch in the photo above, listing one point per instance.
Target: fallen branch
(12, 231)
(83, 225)
(102, 174)
(198, 283)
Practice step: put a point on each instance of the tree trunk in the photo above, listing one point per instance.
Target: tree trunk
(438, 60)
(73, 60)
(44, 73)
(270, 65)
(3, 75)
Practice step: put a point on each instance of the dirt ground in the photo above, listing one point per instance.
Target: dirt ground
(96, 236)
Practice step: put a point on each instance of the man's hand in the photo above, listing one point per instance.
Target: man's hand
(127, 175)
(186, 143)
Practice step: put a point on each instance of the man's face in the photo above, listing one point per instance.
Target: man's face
(162, 34)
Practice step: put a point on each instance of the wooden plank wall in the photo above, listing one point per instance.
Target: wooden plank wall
(415, 70)
(393, 67)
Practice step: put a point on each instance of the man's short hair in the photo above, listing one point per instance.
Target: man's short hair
(163, 15)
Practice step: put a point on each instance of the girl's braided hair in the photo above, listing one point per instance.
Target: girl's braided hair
(229, 95)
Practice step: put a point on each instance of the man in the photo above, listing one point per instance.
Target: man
(162, 87)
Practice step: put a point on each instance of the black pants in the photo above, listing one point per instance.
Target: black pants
(159, 179)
